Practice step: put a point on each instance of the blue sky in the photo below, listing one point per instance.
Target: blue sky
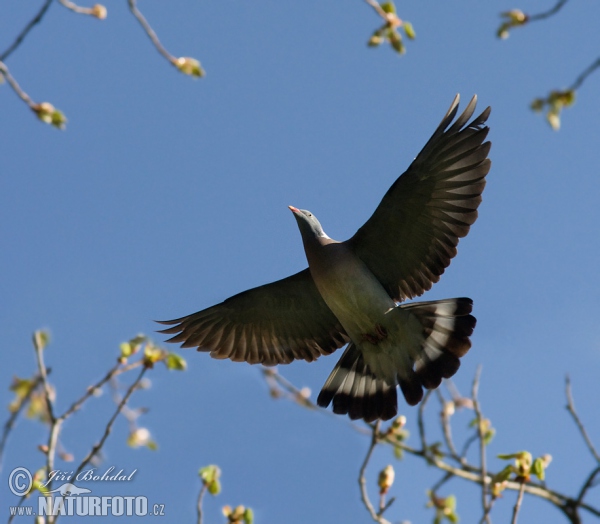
(166, 195)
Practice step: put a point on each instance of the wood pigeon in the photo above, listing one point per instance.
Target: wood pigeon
(351, 291)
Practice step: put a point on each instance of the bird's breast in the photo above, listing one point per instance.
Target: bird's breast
(350, 290)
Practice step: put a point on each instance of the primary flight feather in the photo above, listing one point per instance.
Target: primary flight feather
(350, 292)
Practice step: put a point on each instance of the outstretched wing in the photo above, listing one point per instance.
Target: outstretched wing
(271, 324)
(412, 236)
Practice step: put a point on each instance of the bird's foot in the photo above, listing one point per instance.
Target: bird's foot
(377, 336)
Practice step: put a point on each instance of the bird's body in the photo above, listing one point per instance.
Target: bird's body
(351, 291)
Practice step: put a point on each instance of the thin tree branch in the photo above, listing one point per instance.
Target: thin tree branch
(21, 36)
(55, 424)
(480, 435)
(421, 422)
(362, 481)
(15, 86)
(571, 410)
(583, 76)
(8, 426)
(375, 5)
(589, 483)
(518, 504)
(114, 371)
(97, 447)
(150, 32)
(547, 14)
(447, 429)
(199, 503)
(97, 10)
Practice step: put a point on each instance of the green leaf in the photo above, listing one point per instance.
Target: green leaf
(538, 468)
(58, 119)
(409, 30)
(450, 502)
(376, 39)
(41, 339)
(248, 516)
(452, 517)
(569, 97)
(388, 7)
(396, 42)
(131, 347)
(189, 66)
(503, 475)
(214, 488)
(210, 477)
(510, 456)
(176, 362)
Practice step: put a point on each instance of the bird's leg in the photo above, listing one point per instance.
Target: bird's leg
(377, 336)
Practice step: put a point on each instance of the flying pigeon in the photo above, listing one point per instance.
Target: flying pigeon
(351, 291)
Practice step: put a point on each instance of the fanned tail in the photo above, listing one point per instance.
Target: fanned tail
(356, 391)
(444, 328)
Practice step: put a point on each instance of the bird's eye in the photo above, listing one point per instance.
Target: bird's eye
(310, 214)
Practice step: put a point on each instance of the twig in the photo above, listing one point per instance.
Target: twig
(114, 371)
(15, 86)
(583, 76)
(21, 36)
(97, 447)
(375, 5)
(547, 14)
(590, 482)
(55, 424)
(150, 32)
(571, 410)
(97, 11)
(441, 482)
(8, 426)
(518, 504)
(362, 481)
(384, 507)
(295, 394)
(447, 429)
(479, 418)
(421, 422)
(199, 504)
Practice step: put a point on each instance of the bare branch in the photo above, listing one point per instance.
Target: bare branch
(199, 503)
(583, 76)
(480, 435)
(571, 410)
(447, 429)
(589, 483)
(16, 87)
(114, 371)
(518, 504)
(421, 422)
(547, 14)
(55, 424)
(21, 36)
(362, 481)
(97, 447)
(150, 32)
(16, 411)
(98, 11)
(377, 7)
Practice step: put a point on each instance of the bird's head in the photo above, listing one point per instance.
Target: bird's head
(308, 224)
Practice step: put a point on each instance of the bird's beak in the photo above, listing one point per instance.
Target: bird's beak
(294, 209)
